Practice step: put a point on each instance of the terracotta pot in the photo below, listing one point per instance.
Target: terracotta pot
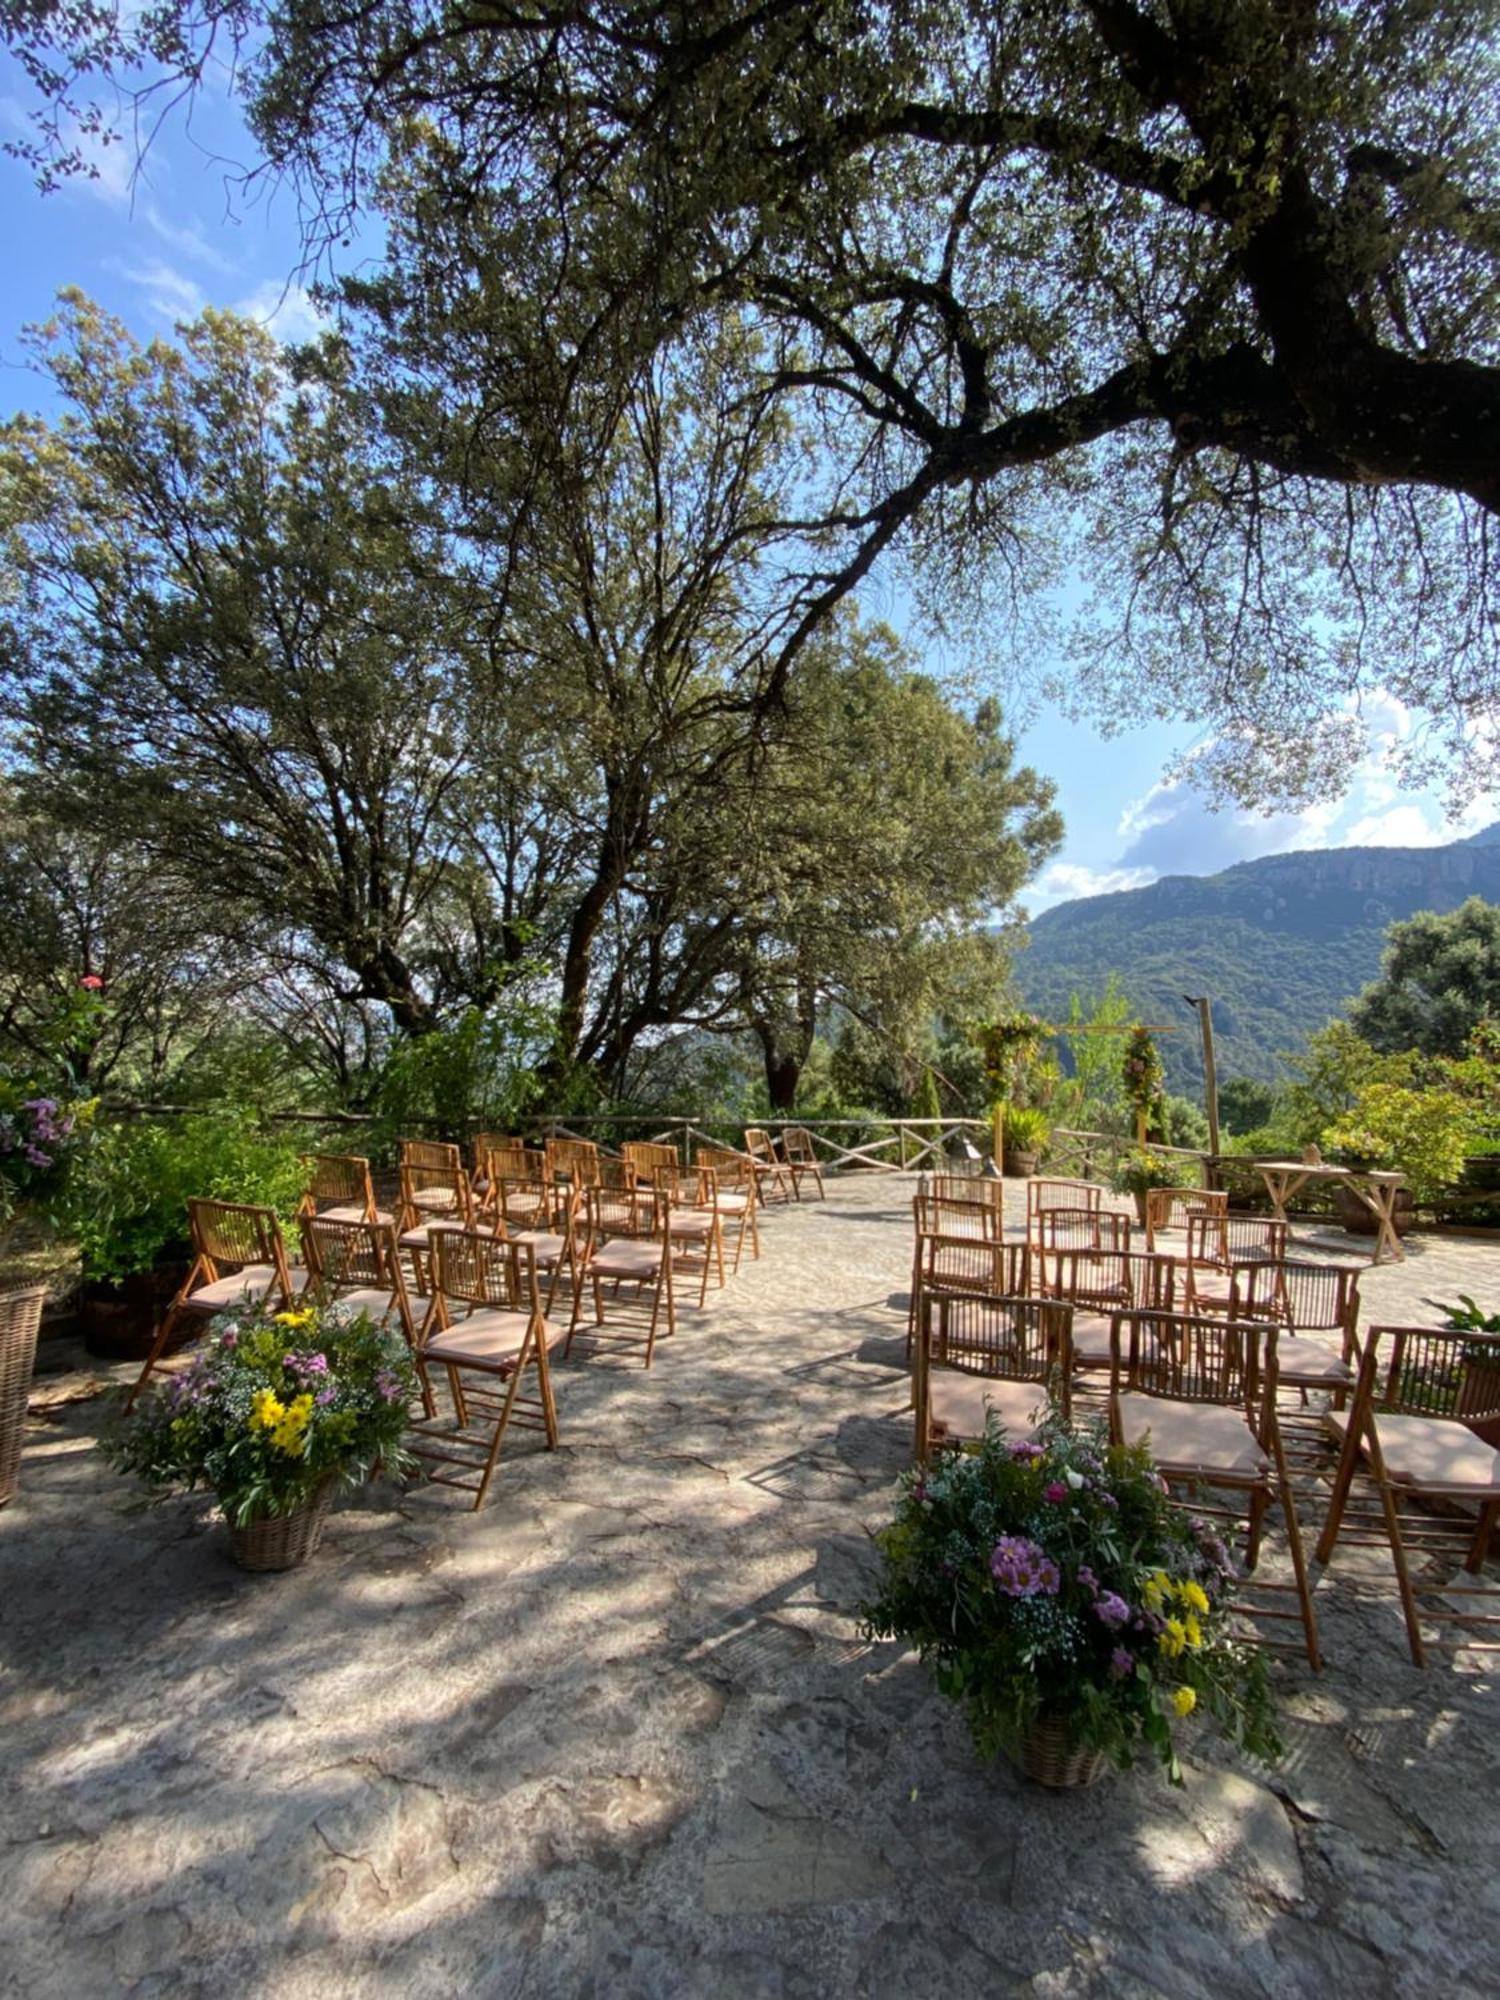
(119, 1320)
(1358, 1220)
(1021, 1166)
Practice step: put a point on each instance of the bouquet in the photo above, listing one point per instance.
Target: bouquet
(1055, 1582)
(275, 1404)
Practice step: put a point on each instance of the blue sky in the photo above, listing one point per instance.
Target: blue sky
(157, 244)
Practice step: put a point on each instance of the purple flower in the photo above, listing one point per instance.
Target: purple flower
(1055, 1492)
(1108, 1500)
(326, 1396)
(306, 1364)
(387, 1385)
(1120, 1662)
(1023, 1569)
(919, 1491)
(1112, 1609)
(1024, 1448)
(1087, 1577)
(229, 1339)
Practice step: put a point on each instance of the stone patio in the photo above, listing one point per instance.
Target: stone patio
(618, 1735)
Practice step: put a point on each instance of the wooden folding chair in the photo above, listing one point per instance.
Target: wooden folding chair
(435, 1196)
(1216, 1244)
(983, 1355)
(530, 1197)
(734, 1194)
(344, 1181)
(1316, 1306)
(1426, 1405)
(359, 1265)
(1060, 1229)
(976, 1220)
(239, 1259)
(627, 1248)
(480, 1148)
(1169, 1210)
(485, 1320)
(1100, 1283)
(697, 1220)
(1200, 1394)
(553, 1238)
(1043, 1194)
(650, 1157)
(771, 1173)
(574, 1161)
(800, 1155)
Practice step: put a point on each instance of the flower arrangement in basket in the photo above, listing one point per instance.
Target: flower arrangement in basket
(1142, 1074)
(1063, 1599)
(275, 1412)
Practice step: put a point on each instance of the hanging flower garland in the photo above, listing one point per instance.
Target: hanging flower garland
(1008, 1047)
(1142, 1073)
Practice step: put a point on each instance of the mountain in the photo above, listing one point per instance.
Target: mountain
(1280, 944)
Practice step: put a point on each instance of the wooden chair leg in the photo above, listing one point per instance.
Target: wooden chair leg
(1479, 1548)
(492, 1457)
(1298, 1555)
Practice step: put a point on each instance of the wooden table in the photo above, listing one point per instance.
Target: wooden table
(1378, 1192)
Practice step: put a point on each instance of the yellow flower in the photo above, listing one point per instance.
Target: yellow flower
(1172, 1638)
(1154, 1590)
(1185, 1700)
(1193, 1630)
(1195, 1596)
(301, 1318)
(265, 1409)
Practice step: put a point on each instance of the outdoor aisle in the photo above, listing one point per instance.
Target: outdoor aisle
(618, 1736)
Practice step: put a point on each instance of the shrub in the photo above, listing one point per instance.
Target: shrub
(1423, 1134)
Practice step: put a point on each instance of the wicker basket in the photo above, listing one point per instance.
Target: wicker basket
(1050, 1755)
(283, 1541)
(20, 1316)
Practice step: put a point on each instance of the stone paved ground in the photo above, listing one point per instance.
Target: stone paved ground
(618, 1735)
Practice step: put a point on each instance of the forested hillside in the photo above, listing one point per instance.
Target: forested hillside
(1280, 944)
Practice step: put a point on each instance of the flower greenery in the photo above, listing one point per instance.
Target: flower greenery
(1140, 1170)
(274, 1404)
(1054, 1581)
(1141, 1072)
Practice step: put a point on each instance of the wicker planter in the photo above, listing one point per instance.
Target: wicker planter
(1049, 1755)
(1021, 1166)
(283, 1541)
(20, 1316)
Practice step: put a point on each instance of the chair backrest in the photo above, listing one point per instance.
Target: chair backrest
(797, 1144)
(1222, 1240)
(607, 1172)
(758, 1145)
(233, 1232)
(474, 1268)
(429, 1162)
(1190, 1359)
(1082, 1229)
(451, 1179)
(964, 1187)
(734, 1170)
(988, 1333)
(973, 1264)
(1042, 1194)
(341, 1177)
(485, 1143)
(1111, 1281)
(351, 1253)
(1304, 1298)
(625, 1211)
(578, 1159)
(1173, 1208)
(524, 1203)
(936, 1215)
(1433, 1372)
(514, 1162)
(651, 1156)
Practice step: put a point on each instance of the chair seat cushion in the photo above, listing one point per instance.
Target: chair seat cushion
(696, 1223)
(1301, 1359)
(731, 1204)
(1204, 1290)
(1091, 1339)
(434, 1198)
(417, 1239)
(962, 1264)
(546, 1247)
(488, 1338)
(624, 1258)
(1191, 1437)
(1435, 1454)
(525, 1203)
(380, 1305)
(353, 1211)
(246, 1287)
(958, 1404)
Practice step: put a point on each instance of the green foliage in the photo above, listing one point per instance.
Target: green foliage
(1440, 978)
(1027, 1128)
(1467, 1315)
(480, 1075)
(1135, 1172)
(1180, 1122)
(273, 1405)
(1058, 1582)
(1141, 1075)
(1244, 1104)
(925, 1102)
(1421, 1132)
(126, 1202)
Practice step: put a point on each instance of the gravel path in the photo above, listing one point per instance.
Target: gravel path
(617, 1735)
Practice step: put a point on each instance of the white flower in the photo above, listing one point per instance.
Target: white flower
(1075, 1480)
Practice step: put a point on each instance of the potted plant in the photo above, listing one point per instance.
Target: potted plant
(276, 1413)
(1068, 1605)
(1136, 1173)
(1027, 1130)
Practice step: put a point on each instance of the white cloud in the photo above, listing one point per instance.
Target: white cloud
(187, 239)
(1067, 879)
(169, 293)
(284, 309)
